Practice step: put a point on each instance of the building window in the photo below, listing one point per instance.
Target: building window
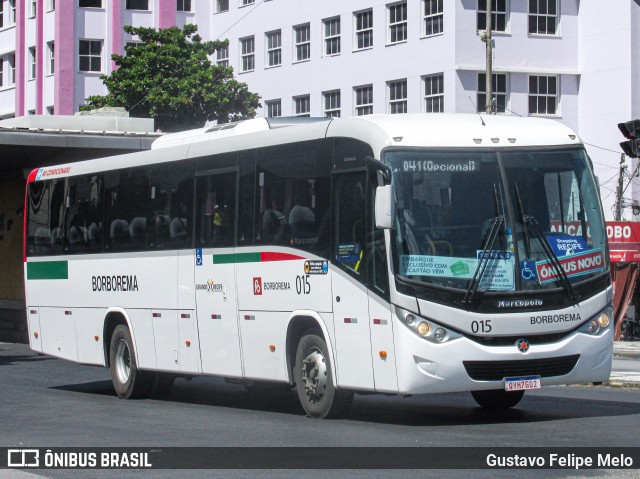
(274, 108)
(12, 12)
(1, 13)
(364, 29)
(222, 6)
(397, 96)
(137, 4)
(50, 110)
(244, 3)
(32, 63)
(274, 48)
(91, 3)
(51, 57)
(184, 5)
(302, 105)
(364, 100)
(302, 40)
(247, 57)
(331, 36)
(498, 90)
(51, 5)
(33, 8)
(12, 69)
(498, 17)
(331, 103)
(90, 55)
(397, 22)
(543, 95)
(543, 17)
(433, 17)
(1, 72)
(222, 57)
(434, 93)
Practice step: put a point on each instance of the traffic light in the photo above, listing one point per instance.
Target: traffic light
(631, 131)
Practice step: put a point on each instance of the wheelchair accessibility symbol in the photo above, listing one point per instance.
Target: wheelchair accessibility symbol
(528, 270)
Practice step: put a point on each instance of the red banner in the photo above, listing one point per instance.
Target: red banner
(573, 265)
(624, 241)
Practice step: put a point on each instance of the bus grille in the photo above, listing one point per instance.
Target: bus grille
(497, 370)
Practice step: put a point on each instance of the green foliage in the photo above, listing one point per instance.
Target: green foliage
(170, 78)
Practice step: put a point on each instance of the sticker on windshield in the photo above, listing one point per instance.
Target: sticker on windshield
(436, 166)
(565, 245)
(499, 272)
(348, 252)
(573, 265)
(446, 266)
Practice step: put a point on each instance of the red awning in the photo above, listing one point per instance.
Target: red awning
(624, 241)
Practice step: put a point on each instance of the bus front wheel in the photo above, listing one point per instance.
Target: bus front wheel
(128, 381)
(497, 398)
(314, 380)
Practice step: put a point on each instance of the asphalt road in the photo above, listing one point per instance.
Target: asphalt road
(48, 402)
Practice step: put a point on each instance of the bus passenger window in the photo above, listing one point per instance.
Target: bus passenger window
(215, 209)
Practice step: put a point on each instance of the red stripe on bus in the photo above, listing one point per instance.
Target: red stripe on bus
(272, 256)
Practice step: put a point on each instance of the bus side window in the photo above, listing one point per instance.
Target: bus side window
(45, 223)
(216, 209)
(83, 218)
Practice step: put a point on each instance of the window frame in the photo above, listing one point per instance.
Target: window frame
(546, 96)
(329, 106)
(364, 33)
(547, 16)
(247, 57)
(222, 61)
(273, 53)
(33, 60)
(494, 92)
(218, 8)
(181, 4)
(331, 39)
(436, 98)
(89, 6)
(90, 56)
(51, 56)
(135, 7)
(302, 100)
(397, 104)
(302, 47)
(271, 105)
(428, 18)
(481, 26)
(363, 108)
(394, 25)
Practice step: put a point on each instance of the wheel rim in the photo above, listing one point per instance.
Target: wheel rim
(314, 374)
(123, 362)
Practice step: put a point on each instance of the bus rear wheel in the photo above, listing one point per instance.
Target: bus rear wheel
(128, 381)
(314, 380)
(497, 398)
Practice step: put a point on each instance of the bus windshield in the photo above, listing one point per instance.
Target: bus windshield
(501, 220)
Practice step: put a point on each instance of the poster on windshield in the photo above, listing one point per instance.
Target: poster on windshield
(573, 265)
(498, 273)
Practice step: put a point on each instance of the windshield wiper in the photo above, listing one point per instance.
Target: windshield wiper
(490, 240)
(529, 221)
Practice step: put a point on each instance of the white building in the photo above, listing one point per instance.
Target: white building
(570, 60)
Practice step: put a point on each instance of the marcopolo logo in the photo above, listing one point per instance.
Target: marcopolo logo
(519, 303)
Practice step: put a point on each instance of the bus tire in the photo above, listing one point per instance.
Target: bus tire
(128, 381)
(314, 380)
(497, 398)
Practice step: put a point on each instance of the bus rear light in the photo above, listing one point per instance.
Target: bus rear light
(272, 348)
(188, 343)
(35, 334)
(96, 338)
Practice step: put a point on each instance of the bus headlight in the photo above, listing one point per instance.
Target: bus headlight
(426, 328)
(598, 323)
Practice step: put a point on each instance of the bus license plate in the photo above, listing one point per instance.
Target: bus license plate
(522, 384)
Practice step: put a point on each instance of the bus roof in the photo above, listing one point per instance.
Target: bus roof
(434, 130)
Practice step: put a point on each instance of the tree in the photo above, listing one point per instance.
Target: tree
(170, 78)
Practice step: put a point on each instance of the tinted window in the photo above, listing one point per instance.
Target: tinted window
(83, 218)
(45, 223)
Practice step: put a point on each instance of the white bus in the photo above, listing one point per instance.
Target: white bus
(398, 254)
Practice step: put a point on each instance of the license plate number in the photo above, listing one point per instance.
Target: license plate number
(522, 384)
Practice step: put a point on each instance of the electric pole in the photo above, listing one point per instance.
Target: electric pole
(489, 68)
(619, 190)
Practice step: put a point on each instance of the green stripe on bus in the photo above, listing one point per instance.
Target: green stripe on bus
(236, 258)
(48, 270)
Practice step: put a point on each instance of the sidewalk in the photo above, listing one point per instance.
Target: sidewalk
(626, 349)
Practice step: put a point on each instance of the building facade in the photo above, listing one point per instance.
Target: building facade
(569, 60)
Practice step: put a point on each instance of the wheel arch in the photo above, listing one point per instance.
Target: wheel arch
(299, 323)
(113, 318)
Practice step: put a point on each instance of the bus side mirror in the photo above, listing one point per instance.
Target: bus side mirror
(384, 207)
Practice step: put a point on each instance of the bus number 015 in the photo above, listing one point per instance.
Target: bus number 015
(302, 284)
(481, 326)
